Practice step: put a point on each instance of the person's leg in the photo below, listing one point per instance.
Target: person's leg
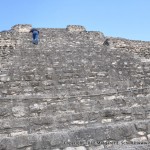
(35, 37)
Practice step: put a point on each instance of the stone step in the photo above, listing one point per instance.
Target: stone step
(38, 120)
(56, 71)
(38, 80)
(121, 146)
(97, 135)
(48, 44)
(43, 105)
(60, 38)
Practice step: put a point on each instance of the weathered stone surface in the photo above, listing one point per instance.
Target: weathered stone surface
(22, 27)
(75, 90)
(75, 148)
(75, 28)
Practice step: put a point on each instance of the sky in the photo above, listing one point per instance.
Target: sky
(128, 19)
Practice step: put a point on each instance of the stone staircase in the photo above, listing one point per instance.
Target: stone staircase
(71, 92)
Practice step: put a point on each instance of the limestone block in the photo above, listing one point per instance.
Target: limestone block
(78, 122)
(19, 111)
(97, 147)
(4, 111)
(22, 27)
(75, 28)
(109, 97)
(106, 120)
(141, 126)
(29, 148)
(4, 78)
(75, 148)
(19, 133)
(140, 139)
(148, 137)
(3, 135)
(108, 113)
(37, 107)
(148, 128)
(141, 133)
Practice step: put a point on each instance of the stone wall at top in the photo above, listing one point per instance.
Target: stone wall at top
(140, 48)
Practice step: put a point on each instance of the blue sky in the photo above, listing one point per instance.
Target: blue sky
(117, 18)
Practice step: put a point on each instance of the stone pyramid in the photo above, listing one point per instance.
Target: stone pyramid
(75, 90)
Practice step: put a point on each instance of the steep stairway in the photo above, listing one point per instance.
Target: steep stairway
(71, 92)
